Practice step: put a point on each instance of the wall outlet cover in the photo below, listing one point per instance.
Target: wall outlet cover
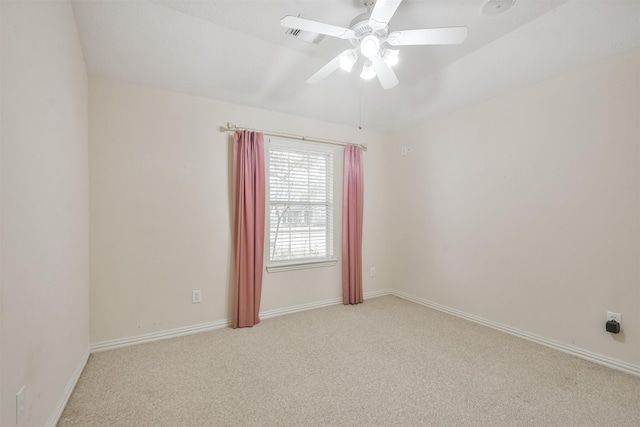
(614, 316)
(196, 297)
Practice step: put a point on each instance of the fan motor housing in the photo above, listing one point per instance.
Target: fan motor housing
(362, 27)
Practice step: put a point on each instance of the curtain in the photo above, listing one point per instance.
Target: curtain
(249, 212)
(352, 207)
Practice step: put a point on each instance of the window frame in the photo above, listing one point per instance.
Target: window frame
(301, 263)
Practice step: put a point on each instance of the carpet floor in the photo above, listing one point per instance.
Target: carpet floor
(387, 362)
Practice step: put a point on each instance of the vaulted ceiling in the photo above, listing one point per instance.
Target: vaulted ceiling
(236, 51)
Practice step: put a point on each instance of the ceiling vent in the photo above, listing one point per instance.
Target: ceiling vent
(307, 36)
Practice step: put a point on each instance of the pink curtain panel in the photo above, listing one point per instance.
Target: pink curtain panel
(249, 215)
(352, 208)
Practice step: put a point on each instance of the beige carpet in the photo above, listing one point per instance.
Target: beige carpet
(387, 362)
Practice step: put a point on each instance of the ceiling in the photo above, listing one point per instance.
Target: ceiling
(236, 51)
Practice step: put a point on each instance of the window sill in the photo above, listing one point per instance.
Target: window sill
(276, 268)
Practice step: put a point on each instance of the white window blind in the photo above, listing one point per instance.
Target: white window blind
(300, 202)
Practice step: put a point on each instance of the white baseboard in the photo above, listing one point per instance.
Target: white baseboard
(376, 294)
(318, 304)
(203, 327)
(71, 384)
(574, 351)
(296, 308)
(156, 336)
(172, 333)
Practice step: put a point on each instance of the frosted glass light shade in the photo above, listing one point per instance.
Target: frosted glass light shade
(367, 71)
(347, 61)
(390, 56)
(369, 46)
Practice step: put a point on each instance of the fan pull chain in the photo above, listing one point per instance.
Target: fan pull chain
(360, 104)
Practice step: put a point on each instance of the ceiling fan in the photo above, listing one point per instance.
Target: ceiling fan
(369, 34)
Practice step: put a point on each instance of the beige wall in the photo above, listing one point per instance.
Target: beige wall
(160, 185)
(524, 210)
(1, 138)
(44, 199)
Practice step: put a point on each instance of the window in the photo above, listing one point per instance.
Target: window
(300, 204)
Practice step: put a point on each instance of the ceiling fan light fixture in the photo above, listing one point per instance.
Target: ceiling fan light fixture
(369, 31)
(390, 56)
(367, 71)
(348, 60)
(370, 46)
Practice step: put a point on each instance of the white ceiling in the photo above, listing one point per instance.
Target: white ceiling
(236, 51)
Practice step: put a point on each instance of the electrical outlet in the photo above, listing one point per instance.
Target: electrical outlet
(196, 297)
(373, 272)
(20, 405)
(614, 316)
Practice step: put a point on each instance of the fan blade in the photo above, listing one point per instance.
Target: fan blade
(384, 9)
(329, 68)
(451, 35)
(385, 74)
(316, 27)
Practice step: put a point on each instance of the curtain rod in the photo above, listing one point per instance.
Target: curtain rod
(232, 127)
